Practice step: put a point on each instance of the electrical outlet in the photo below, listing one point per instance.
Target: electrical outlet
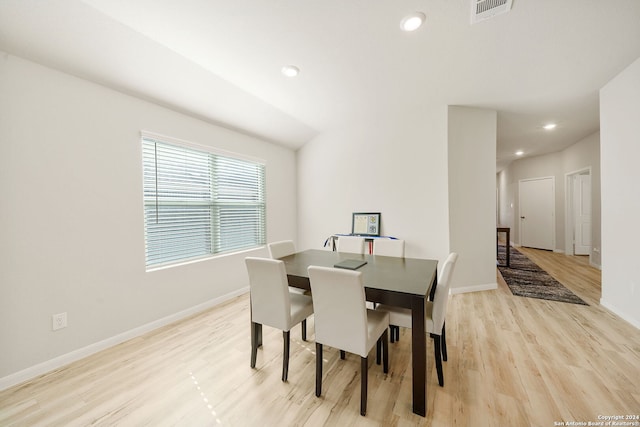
(59, 321)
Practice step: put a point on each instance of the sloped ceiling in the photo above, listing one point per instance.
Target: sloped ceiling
(544, 61)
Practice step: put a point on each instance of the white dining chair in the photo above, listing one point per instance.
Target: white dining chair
(351, 244)
(435, 312)
(388, 247)
(281, 249)
(342, 321)
(274, 305)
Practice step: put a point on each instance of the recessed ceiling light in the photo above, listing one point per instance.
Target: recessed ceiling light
(290, 70)
(549, 126)
(519, 153)
(412, 22)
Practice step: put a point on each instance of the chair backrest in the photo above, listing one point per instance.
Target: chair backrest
(352, 244)
(269, 290)
(281, 249)
(441, 297)
(389, 247)
(340, 313)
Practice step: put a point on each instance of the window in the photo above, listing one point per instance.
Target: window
(198, 203)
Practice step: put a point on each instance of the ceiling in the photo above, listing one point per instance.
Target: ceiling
(220, 60)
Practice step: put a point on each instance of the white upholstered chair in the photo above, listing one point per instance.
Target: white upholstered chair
(435, 312)
(274, 305)
(351, 244)
(281, 249)
(342, 321)
(388, 247)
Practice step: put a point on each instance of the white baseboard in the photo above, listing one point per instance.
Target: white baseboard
(621, 314)
(65, 359)
(594, 265)
(474, 288)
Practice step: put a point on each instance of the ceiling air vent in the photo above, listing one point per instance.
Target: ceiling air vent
(485, 9)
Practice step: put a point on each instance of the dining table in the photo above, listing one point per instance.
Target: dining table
(395, 281)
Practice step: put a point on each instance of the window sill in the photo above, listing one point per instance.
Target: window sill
(201, 259)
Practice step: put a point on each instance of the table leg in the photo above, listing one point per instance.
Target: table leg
(419, 356)
(432, 292)
(507, 232)
(508, 247)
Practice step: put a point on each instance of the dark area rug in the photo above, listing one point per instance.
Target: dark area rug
(526, 279)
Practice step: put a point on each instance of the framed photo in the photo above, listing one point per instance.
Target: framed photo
(366, 224)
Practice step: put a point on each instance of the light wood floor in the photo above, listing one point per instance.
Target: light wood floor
(513, 361)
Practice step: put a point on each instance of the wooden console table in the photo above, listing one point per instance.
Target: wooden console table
(507, 231)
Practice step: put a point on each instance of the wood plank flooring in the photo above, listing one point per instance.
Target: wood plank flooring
(513, 361)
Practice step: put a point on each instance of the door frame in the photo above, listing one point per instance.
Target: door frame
(553, 208)
(569, 215)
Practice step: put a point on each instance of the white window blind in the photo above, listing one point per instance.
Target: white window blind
(199, 203)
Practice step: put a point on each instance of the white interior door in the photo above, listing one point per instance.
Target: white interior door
(582, 212)
(537, 213)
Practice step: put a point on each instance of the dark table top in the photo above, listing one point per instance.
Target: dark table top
(412, 276)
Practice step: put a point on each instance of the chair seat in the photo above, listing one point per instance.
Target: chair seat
(301, 307)
(377, 323)
(399, 316)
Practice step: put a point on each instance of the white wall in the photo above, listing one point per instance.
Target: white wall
(581, 155)
(620, 153)
(396, 166)
(505, 203)
(71, 218)
(472, 196)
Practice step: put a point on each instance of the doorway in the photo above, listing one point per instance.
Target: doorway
(537, 213)
(578, 218)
